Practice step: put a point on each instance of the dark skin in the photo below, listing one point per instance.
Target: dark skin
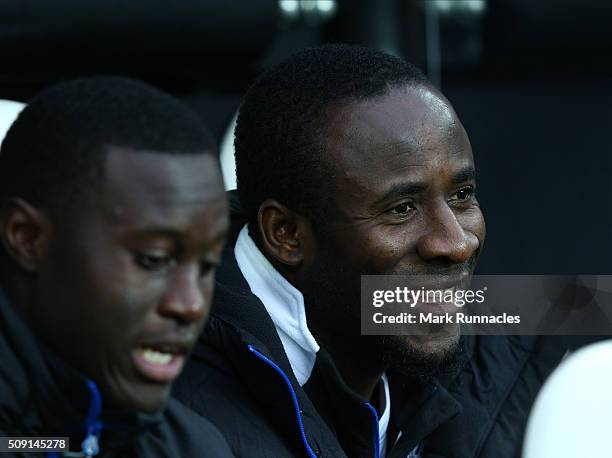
(131, 267)
(403, 202)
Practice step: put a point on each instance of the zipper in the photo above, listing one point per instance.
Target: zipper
(296, 405)
(93, 426)
(376, 432)
(90, 446)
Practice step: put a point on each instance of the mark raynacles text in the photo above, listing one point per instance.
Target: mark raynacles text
(444, 318)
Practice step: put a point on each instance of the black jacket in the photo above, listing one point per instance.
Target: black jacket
(40, 396)
(240, 378)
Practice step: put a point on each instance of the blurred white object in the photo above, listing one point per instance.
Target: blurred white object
(8, 113)
(226, 156)
(572, 415)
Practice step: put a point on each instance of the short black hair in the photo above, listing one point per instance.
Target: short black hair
(59, 141)
(280, 125)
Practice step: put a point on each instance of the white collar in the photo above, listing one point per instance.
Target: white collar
(285, 305)
(383, 422)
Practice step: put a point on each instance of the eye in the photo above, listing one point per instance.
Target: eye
(207, 266)
(153, 261)
(463, 195)
(402, 209)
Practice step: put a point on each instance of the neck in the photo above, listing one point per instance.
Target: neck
(15, 290)
(359, 369)
(358, 365)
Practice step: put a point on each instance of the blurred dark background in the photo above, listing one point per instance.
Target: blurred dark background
(531, 80)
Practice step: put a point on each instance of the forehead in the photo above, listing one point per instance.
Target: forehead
(407, 131)
(147, 188)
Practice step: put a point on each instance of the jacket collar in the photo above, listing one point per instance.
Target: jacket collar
(240, 322)
(283, 302)
(239, 308)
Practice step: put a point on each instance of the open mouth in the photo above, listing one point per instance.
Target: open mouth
(161, 364)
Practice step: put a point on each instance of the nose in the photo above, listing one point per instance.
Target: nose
(185, 300)
(446, 238)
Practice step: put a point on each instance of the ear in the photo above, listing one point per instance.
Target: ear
(285, 234)
(25, 232)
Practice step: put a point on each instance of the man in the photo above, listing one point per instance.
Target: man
(349, 162)
(112, 221)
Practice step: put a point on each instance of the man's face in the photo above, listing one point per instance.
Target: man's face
(128, 278)
(403, 203)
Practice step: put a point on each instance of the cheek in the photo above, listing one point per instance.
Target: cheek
(380, 248)
(121, 296)
(473, 221)
(208, 291)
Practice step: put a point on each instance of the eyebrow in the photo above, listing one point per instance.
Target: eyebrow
(155, 231)
(411, 189)
(400, 190)
(173, 235)
(467, 174)
(404, 189)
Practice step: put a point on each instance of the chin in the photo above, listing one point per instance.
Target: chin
(435, 346)
(141, 397)
(423, 356)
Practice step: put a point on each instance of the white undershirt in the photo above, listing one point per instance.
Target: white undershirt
(383, 422)
(285, 305)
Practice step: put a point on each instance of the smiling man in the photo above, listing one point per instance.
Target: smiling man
(350, 162)
(112, 221)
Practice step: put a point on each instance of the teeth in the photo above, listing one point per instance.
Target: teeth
(156, 357)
